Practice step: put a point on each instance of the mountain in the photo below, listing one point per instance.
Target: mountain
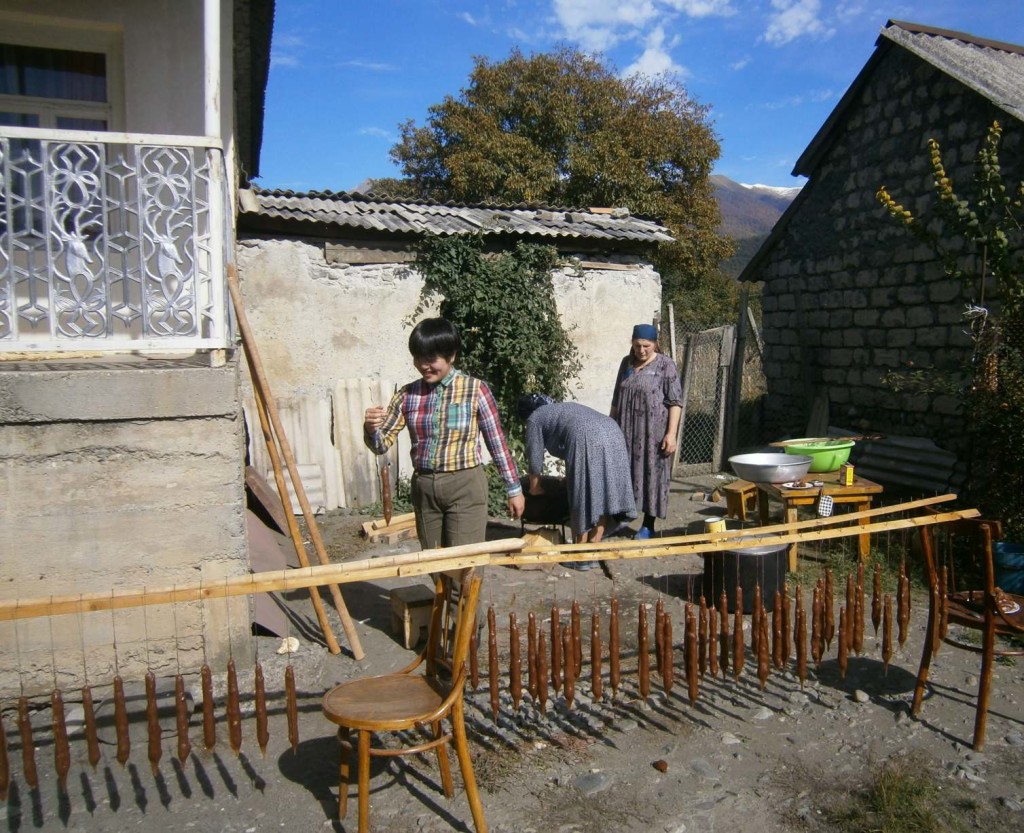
(748, 214)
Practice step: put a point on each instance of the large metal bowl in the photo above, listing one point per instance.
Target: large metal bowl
(771, 468)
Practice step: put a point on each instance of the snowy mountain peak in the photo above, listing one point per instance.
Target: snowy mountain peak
(787, 193)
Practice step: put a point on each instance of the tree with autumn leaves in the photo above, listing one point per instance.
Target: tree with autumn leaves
(562, 129)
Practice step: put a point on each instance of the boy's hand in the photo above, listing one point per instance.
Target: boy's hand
(516, 506)
(373, 419)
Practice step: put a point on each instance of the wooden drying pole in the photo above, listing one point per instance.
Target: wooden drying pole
(506, 551)
(268, 409)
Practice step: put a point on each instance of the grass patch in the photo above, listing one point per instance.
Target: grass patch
(901, 797)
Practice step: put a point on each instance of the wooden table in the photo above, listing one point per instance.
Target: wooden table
(859, 495)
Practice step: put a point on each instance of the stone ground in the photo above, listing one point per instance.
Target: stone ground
(740, 759)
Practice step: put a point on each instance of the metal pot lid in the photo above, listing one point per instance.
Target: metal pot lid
(766, 549)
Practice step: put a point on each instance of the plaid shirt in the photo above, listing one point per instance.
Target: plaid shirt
(445, 423)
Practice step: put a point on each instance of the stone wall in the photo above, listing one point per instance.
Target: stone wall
(848, 293)
(120, 476)
(317, 322)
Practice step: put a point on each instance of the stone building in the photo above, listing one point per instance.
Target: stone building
(848, 293)
(331, 292)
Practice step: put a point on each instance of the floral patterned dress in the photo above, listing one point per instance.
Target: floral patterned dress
(642, 399)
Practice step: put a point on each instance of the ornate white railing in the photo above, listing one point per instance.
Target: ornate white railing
(111, 242)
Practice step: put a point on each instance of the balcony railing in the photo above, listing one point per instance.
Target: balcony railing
(111, 242)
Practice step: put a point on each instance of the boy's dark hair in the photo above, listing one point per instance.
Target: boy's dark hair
(434, 337)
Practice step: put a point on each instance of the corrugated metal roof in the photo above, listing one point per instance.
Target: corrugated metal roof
(356, 211)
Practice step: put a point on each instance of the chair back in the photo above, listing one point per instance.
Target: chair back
(452, 620)
(950, 544)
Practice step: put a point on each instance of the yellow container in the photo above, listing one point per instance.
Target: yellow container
(846, 475)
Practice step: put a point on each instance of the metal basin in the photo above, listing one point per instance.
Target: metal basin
(771, 468)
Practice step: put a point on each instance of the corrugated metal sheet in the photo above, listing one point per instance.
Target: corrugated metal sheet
(355, 211)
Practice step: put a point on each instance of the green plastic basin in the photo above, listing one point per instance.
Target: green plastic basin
(826, 455)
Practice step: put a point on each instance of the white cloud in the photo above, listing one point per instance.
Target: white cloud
(287, 40)
(598, 25)
(370, 65)
(466, 17)
(278, 60)
(791, 19)
(377, 133)
(703, 8)
(811, 96)
(742, 63)
(655, 59)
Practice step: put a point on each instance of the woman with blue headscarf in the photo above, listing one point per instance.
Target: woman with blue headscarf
(596, 461)
(647, 404)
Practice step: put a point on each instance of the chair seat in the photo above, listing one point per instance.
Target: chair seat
(968, 610)
(382, 703)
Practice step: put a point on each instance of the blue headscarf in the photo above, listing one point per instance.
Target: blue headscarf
(648, 332)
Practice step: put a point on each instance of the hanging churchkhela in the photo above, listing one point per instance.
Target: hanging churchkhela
(851, 604)
(737, 635)
(887, 631)
(798, 604)
(474, 661)
(234, 710)
(828, 602)
(595, 656)
(577, 641)
(643, 658)
(902, 605)
(121, 722)
(542, 672)
(556, 650)
(702, 638)
(28, 748)
(843, 643)
(858, 613)
(712, 644)
(492, 661)
(723, 626)
(569, 682)
(755, 620)
(667, 671)
(777, 629)
(787, 646)
(801, 642)
(876, 597)
(181, 719)
(613, 648)
(92, 739)
(262, 727)
(764, 658)
(691, 653)
(659, 637)
(61, 747)
(531, 655)
(209, 720)
(817, 624)
(291, 708)
(155, 748)
(515, 662)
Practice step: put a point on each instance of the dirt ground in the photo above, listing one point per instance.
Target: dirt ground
(740, 759)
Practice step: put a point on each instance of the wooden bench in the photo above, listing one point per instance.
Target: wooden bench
(740, 498)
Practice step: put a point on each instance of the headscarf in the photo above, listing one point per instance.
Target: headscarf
(648, 332)
(530, 402)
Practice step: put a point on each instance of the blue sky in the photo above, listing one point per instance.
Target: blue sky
(345, 73)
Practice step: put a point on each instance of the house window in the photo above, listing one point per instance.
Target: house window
(55, 88)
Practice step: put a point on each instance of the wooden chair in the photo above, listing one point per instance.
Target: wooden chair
(404, 701)
(987, 610)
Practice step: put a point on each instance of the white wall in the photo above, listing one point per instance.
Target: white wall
(159, 80)
(318, 325)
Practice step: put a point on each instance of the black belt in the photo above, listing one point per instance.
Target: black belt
(424, 471)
